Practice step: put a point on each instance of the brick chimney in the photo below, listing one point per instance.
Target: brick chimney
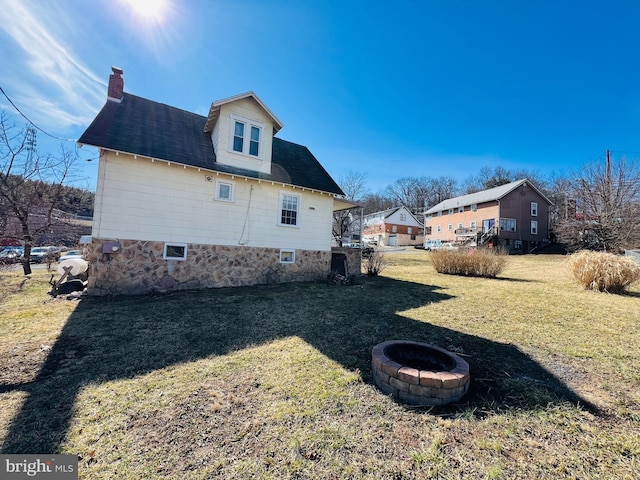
(115, 92)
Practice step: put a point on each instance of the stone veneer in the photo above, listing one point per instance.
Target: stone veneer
(139, 267)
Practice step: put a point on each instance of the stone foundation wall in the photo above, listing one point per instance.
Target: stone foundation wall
(139, 268)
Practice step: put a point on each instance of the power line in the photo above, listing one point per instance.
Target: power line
(31, 123)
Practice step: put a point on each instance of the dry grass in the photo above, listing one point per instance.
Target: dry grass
(471, 263)
(604, 272)
(274, 382)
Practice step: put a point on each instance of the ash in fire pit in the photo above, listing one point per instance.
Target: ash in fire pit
(418, 373)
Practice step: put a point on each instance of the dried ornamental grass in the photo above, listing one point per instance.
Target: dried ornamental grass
(471, 263)
(604, 272)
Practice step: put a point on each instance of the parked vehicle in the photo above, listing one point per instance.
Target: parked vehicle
(71, 254)
(11, 255)
(44, 254)
(446, 246)
(431, 244)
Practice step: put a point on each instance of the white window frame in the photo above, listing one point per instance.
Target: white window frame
(534, 227)
(473, 224)
(439, 229)
(450, 226)
(409, 230)
(461, 225)
(232, 188)
(403, 217)
(451, 211)
(170, 245)
(474, 207)
(460, 209)
(394, 229)
(287, 255)
(534, 209)
(440, 213)
(246, 137)
(280, 209)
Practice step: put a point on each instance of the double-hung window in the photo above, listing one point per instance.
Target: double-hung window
(534, 209)
(534, 227)
(247, 136)
(289, 210)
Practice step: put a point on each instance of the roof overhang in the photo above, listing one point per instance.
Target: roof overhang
(214, 111)
(344, 204)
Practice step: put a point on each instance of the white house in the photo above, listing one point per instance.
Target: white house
(393, 227)
(186, 201)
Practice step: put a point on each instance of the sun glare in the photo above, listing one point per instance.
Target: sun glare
(150, 10)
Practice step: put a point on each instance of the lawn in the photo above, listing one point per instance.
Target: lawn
(274, 382)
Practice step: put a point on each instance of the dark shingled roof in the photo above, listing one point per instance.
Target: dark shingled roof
(143, 127)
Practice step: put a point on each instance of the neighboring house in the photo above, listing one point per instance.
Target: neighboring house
(393, 227)
(188, 201)
(514, 216)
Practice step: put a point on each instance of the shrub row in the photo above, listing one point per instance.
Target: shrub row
(471, 263)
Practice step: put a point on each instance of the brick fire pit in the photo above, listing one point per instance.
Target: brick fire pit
(418, 373)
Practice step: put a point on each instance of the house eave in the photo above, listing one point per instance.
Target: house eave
(226, 174)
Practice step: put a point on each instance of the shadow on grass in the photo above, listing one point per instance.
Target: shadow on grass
(120, 339)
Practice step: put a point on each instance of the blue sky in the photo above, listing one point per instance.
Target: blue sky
(389, 89)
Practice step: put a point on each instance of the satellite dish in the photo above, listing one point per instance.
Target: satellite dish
(77, 265)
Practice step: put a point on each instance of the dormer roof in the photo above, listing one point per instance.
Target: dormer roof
(214, 111)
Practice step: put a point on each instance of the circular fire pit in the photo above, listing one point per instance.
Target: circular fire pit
(418, 373)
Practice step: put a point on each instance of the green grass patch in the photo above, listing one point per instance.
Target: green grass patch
(274, 382)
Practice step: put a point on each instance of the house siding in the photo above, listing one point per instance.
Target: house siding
(154, 201)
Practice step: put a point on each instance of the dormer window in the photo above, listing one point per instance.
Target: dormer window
(247, 136)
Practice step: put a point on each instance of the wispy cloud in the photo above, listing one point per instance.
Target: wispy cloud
(47, 80)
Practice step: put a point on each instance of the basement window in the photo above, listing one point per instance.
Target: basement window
(287, 256)
(175, 251)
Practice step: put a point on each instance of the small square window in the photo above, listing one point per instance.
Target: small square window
(224, 191)
(460, 209)
(451, 211)
(474, 208)
(175, 251)
(287, 256)
(461, 225)
(451, 226)
(439, 214)
(439, 229)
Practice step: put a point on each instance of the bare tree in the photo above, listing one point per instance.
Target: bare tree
(354, 186)
(601, 207)
(376, 202)
(30, 184)
(490, 177)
